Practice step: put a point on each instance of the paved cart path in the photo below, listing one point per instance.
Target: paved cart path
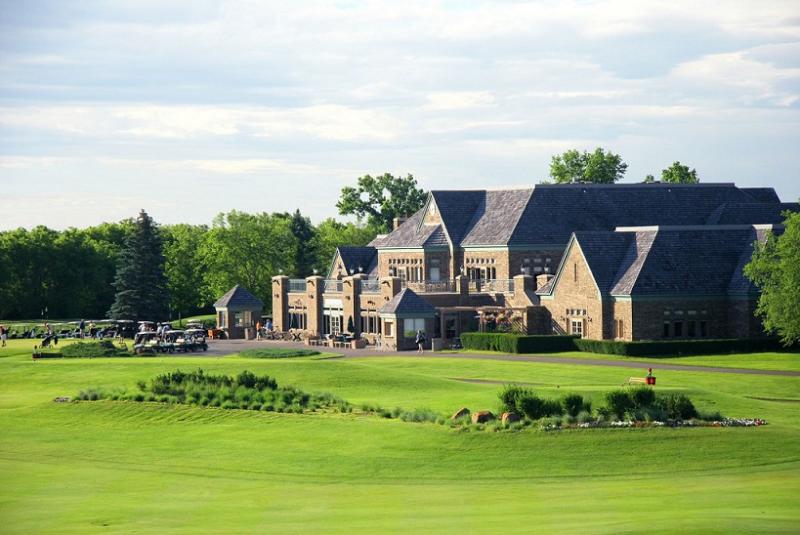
(227, 347)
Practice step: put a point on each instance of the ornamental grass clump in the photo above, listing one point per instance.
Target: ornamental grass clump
(246, 391)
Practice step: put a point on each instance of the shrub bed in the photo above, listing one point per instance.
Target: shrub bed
(245, 391)
(678, 348)
(101, 349)
(277, 353)
(516, 343)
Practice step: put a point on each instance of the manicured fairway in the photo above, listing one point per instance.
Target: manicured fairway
(125, 467)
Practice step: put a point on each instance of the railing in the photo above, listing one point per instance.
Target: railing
(500, 286)
(370, 286)
(332, 286)
(297, 285)
(445, 286)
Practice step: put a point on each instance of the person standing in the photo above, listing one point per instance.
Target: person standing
(81, 328)
(258, 330)
(3, 335)
(420, 340)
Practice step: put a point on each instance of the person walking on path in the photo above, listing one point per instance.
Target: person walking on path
(3, 335)
(258, 330)
(420, 341)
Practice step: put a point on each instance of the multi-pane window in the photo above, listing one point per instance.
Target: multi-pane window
(703, 328)
(692, 328)
(678, 328)
(576, 327)
(665, 334)
(620, 331)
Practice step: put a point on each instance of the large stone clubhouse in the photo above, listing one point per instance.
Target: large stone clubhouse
(621, 261)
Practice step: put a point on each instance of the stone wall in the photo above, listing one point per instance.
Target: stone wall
(576, 297)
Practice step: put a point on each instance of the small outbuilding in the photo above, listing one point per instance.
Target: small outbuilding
(404, 315)
(238, 310)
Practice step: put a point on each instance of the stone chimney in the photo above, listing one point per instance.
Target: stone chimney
(398, 221)
(543, 279)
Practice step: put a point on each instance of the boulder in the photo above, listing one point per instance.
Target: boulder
(481, 417)
(509, 417)
(460, 413)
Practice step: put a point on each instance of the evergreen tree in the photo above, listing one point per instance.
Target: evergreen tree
(304, 231)
(140, 282)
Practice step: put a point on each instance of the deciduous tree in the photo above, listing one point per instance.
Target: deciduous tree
(679, 174)
(775, 269)
(382, 198)
(598, 167)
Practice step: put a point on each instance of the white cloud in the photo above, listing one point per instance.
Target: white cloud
(453, 100)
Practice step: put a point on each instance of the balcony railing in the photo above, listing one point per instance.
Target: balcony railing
(332, 286)
(500, 286)
(445, 286)
(297, 285)
(370, 286)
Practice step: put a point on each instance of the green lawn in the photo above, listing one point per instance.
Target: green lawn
(755, 361)
(126, 467)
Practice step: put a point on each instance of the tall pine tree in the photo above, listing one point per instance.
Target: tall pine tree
(140, 281)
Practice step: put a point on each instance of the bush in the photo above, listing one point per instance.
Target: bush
(535, 407)
(676, 406)
(104, 348)
(642, 397)
(516, 343)
(619, 402)
(574, 404)
(677, 348)
(277, 353)
(510, 396)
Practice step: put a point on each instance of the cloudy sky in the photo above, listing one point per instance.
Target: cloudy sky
(188, 109)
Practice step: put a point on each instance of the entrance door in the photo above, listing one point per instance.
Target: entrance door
(576, 327)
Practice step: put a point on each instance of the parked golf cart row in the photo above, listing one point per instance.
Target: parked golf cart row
(172, 341)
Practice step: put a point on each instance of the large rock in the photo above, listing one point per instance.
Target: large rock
(509, 417)
(460, 413)
(481, 417)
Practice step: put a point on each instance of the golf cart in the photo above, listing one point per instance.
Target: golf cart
(148, 342)
(197, 338)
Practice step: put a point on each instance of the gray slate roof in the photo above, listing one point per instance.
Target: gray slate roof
(408, 303)
(239, 298)
(549, 214)
(699, 260)
(355, 257)
(411, 234)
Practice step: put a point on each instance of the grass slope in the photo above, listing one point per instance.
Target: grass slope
(145, 467)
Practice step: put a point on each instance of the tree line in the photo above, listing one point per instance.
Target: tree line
(71, 273)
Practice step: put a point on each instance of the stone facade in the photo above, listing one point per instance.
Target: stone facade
(575, 305)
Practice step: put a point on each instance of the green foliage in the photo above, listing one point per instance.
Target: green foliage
(775, 269)
(525, 402)
(277, 353)
(619, 402)
(516, 343)
(599, 167)
(246, 391)
(104, 348)
(46, 273)
(679, 174)
(674, 348)
(574, 404)
(140, 282)
(304, 232)
(331, 234)
(184, 267)
(642, 396)
(248, 249)
(382, 198)
(678, 406)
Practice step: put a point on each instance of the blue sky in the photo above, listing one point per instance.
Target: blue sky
(190, 109)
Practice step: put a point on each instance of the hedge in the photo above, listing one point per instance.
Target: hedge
(515, 343)
(677, 348)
